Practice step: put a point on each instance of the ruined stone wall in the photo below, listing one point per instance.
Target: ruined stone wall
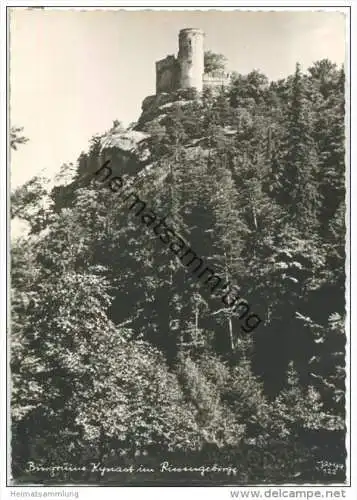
(167, 75)
(216, 80)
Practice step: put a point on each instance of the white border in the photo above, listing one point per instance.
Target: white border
(162, 492)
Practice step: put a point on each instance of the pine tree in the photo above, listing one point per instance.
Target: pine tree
(299, 182)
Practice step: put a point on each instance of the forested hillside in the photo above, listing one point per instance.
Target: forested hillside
(120, 356)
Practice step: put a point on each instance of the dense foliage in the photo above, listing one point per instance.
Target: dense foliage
(119, 356)
(214, 62)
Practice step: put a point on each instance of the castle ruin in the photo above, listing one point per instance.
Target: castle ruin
(186, 71)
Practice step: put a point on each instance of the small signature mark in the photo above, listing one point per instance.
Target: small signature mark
(330, 468)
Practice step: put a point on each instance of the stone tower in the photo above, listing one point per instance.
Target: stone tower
(187, 69)
(191, 58)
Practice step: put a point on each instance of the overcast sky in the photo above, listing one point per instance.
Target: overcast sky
(73, 72)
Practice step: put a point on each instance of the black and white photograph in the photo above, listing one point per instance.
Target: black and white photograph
(179, 247)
